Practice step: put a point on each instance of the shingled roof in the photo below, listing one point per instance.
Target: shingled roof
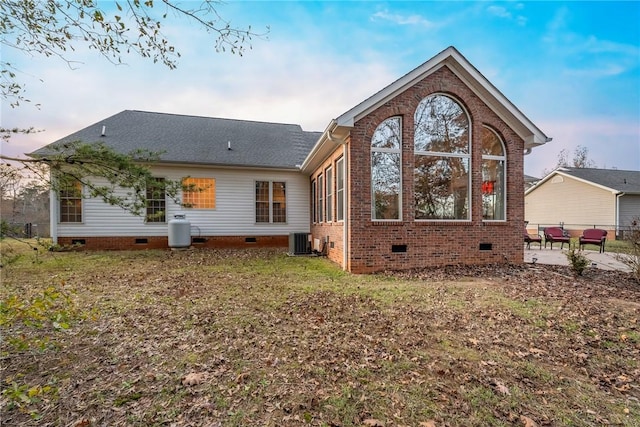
(199, 140)
(614, 179)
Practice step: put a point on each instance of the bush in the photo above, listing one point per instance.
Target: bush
(631, 258)
(577, 261)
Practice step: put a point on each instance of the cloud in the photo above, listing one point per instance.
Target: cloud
(283, 81)
(499, 11)
(503, 12)
(399, 19)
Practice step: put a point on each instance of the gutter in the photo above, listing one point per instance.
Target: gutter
(326, 135)
(529, 149)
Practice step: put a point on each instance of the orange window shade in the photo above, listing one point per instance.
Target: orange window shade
(199, 193)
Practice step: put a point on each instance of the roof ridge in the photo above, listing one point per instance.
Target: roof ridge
(216, 118)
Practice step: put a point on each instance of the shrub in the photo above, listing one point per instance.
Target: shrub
(577, 261)
(631, 258)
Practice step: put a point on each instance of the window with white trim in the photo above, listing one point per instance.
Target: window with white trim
(199, 193)
(314, 202)
(340, 189)
(493, 176)
(386, 181)
(320, 198)
(70, 197)
(328, 173)
(271, 202)
(156, 201)
(442, 160)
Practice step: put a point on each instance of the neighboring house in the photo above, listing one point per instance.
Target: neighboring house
(426, 172)
(530, 181)
(580, 198)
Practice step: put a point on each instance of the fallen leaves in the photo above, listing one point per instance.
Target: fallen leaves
(256, 338)
(194, 378)
(527, 422)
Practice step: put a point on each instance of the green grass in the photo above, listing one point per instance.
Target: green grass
(285, 340)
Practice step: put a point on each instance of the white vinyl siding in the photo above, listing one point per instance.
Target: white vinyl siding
(629, 209)
(234, 213)
(570, 201)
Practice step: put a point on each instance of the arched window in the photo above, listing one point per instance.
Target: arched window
(386, 185)
(493, 176)
(442, 160)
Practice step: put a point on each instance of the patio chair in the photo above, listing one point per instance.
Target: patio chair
(532, 238)
(593, 236)
(556, 234)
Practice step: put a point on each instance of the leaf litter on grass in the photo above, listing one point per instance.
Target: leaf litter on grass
(253, 337)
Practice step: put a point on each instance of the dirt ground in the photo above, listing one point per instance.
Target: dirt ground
(257, 338)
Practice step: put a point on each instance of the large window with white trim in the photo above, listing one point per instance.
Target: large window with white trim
(386, 181)
(493, 176)
(442, 160)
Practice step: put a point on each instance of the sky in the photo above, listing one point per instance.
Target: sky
(573, 68)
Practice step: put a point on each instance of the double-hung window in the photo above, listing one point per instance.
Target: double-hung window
(386, 185)
(442, 160)
(156, 201)
(271, 202)
(70, 197)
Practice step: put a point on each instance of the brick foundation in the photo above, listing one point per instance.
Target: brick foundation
(161, 242)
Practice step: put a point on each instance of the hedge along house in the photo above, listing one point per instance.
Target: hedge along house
(426, 172)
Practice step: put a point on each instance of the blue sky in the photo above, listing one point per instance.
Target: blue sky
(573, 68)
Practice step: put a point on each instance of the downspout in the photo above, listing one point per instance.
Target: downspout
(617, 213)
(345, 223)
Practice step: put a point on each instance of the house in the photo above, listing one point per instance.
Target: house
(530, 181)
(426, 172)
(580, 198)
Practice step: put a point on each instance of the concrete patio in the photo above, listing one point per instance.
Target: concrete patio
(605, 261)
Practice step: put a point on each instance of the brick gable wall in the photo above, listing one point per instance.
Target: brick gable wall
(432, 243)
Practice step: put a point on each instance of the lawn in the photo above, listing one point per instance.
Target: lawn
(258, 338)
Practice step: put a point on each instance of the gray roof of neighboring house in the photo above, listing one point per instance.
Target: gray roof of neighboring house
(199, 140)
(619, 180)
